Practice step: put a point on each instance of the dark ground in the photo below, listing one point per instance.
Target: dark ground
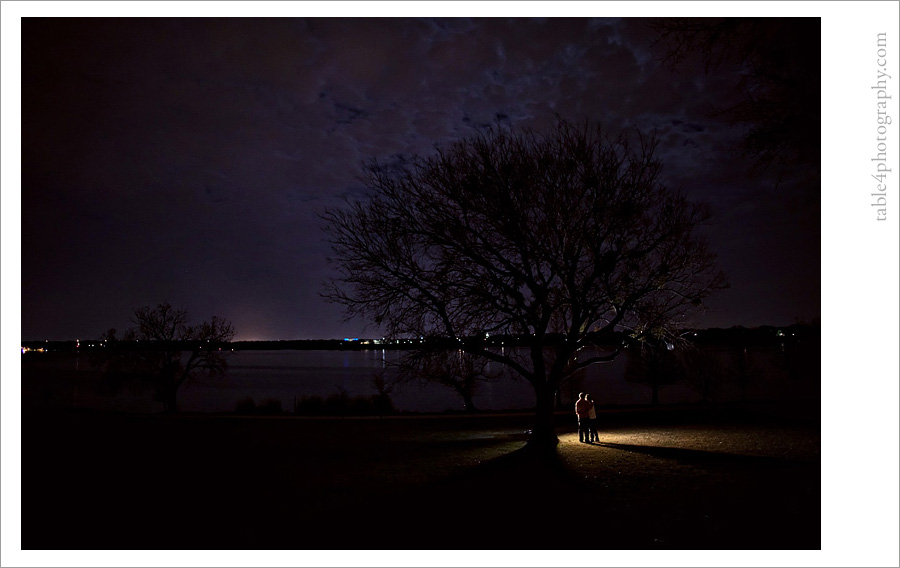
(670, 479)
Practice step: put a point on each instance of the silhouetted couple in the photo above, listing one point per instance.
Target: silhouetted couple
(587, 418)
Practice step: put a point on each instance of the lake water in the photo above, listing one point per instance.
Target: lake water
(286, 375)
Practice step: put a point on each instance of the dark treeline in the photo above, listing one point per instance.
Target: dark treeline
(763, 336)
(735, 336)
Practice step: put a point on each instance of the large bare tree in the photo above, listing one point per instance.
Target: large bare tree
(559, 238)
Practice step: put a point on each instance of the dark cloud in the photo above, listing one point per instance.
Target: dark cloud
(188, 159)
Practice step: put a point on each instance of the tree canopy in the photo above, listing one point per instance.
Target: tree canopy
(776, 66)
(570, 235)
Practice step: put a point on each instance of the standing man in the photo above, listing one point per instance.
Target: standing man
(583, 411)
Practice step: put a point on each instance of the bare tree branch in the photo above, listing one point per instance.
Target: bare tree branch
(531, 235)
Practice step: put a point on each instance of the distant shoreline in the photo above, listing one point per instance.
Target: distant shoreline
(767, 335)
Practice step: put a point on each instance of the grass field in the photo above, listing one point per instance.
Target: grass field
(669, 479)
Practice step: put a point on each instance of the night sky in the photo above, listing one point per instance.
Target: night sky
(187, 160)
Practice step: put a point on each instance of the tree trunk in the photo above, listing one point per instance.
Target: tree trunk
(169, 386)
(468, 403)
(169, 392)
(543, 434)
(170, 405)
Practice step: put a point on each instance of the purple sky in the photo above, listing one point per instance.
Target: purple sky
(187, 160)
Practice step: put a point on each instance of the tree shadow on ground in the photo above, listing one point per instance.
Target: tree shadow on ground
(526, 499)
(294, 485)
(535, 500)
(701, 457)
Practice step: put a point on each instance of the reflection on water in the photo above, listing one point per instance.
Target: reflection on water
(286, 375)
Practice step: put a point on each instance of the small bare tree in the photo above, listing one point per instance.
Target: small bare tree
(704, 372)
(742, 368)
(552, 239)
(456, 369)
(166, 350)
(655, 365)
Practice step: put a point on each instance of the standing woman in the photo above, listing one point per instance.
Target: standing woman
(592, 421)
(583, 409)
